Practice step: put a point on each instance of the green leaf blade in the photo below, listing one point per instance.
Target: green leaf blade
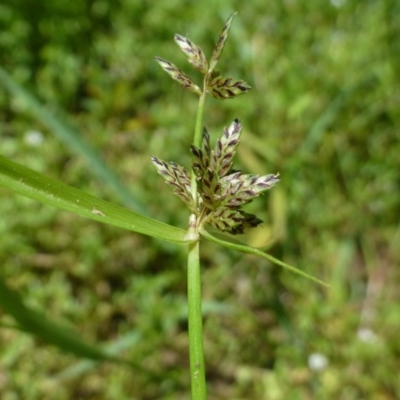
(36, 186)
(39, 325)
(250, 250)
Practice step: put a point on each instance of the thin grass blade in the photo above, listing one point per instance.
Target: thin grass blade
(250, 250)
(53, 333)
(30, 183)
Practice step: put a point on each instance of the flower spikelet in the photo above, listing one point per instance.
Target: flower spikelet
(223, 192)
(193, 52)
(201, 157)
(207, 179)
(225, 149)
(233, 221)
(225, 88)
(239, 189)
(221, 42)
(178, 75)
(177, 178)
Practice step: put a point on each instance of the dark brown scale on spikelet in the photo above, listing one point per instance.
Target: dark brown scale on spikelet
(225, 88)
(178, 75)
(225, 149)
(220, 43)
(193, 52)
(177, 178)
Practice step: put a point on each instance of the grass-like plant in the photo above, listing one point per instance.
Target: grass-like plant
(213, 192)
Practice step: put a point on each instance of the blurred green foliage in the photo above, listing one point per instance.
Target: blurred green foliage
(323, 111)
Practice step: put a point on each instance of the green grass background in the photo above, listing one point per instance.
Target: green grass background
(323, 112)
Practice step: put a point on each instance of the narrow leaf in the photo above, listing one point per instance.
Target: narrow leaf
(49, 191)
(250, 250)
(119, 345)
(39, 325)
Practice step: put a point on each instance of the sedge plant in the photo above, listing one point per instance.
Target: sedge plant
(213, 192)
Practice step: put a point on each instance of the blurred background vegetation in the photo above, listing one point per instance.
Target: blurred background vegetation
(323, 111)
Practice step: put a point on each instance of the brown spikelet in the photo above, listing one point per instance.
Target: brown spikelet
(210, 189)
(221, 43)
(240, 189)
(224, 219)
(225, 149)
(177, 178)
(225, 88)
(221, 192)
(233, 221)
(193, 52)
(201, 157)
(207, 177)
(178, 75)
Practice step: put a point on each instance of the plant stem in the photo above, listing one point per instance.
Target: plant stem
(195, 316)
(197, 134)
(199, 119)
(197, 369)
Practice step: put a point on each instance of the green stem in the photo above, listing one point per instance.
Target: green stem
(197, 134)
(197, 369)
(199, 120)
(195, 319)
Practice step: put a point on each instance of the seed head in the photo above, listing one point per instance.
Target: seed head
(225, 88)
(177, 178)
(222, 192)
(221, 43)
(178, 75)
(193, 52)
